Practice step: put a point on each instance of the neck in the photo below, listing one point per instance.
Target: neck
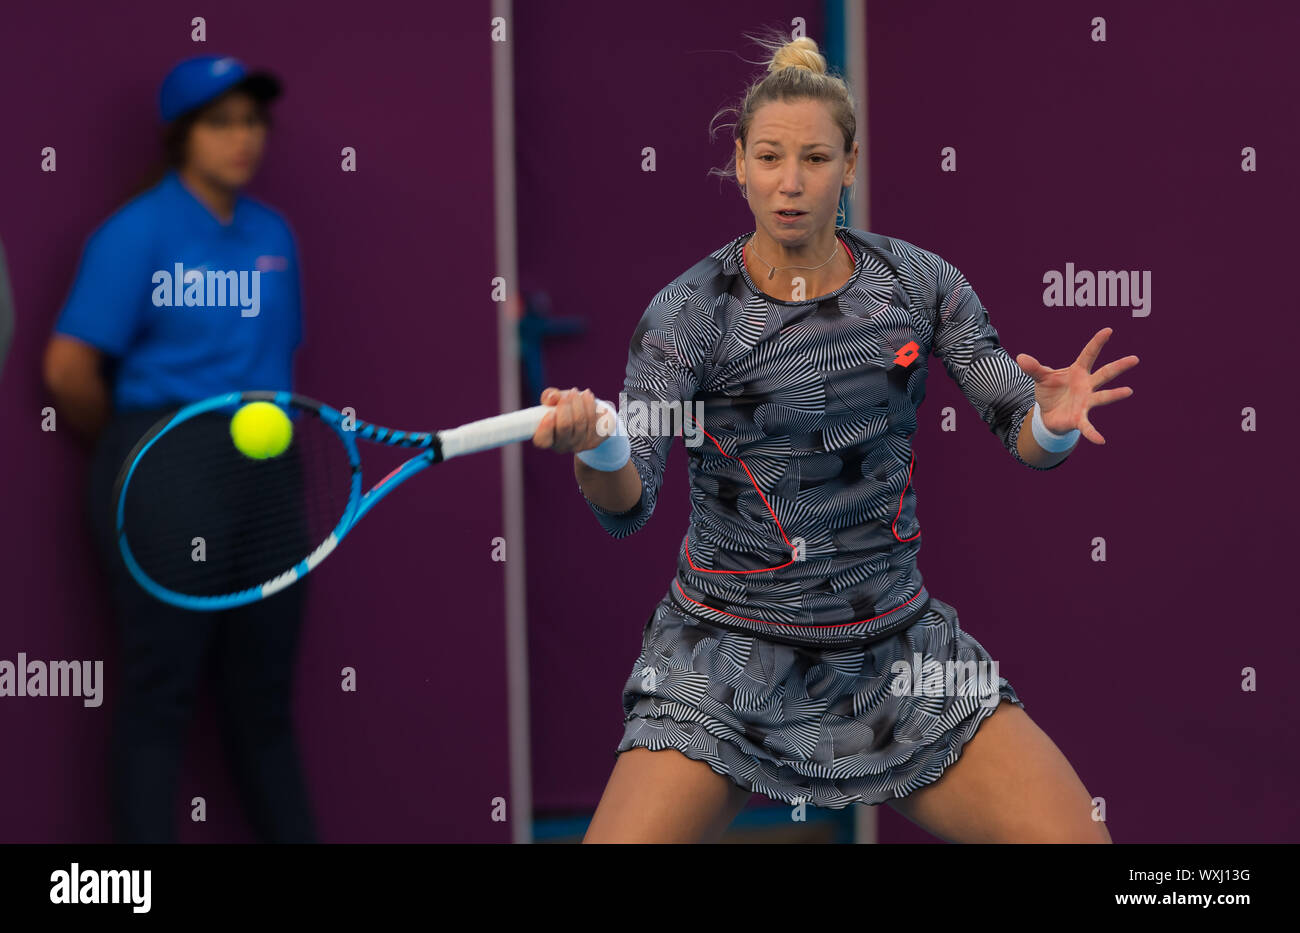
(216, 197)
(762, 252)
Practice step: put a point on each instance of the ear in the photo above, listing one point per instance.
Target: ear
(851, 166)
(740, 163)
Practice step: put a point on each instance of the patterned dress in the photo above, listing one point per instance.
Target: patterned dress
(797, 650)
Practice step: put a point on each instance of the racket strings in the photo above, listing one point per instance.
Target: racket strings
(202, 519)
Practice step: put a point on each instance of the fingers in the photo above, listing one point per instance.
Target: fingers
(590, 413)
(1111, 370)
(1088, 431)
(544, 436)
(570, 426)
(563, 420)
(1030, 365)
(1088, 355)
(576, 421)
(1106, 396)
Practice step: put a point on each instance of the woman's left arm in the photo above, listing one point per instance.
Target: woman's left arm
(1032, 453)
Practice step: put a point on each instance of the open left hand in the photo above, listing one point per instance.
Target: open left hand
(1065, 395)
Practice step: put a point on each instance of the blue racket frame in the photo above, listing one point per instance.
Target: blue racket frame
(358, 504)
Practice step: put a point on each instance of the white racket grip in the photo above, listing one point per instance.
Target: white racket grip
(496, 431)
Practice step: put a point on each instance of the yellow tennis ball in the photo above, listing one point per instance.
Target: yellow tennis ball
(261, 430)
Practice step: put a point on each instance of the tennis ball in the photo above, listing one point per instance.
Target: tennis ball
(261, 430)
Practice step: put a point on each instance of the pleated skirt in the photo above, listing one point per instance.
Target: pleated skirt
(827, 727)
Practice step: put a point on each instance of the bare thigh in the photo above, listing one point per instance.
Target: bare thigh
(663, 796)
(1010, 784)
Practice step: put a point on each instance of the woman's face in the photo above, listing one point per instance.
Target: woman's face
(226, 142)
(794, 159)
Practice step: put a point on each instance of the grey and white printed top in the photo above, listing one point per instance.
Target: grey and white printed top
(803, 518)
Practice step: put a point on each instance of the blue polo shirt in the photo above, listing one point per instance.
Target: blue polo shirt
(190, 307)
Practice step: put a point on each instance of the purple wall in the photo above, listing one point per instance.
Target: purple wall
(397, 261)
(1118, 155)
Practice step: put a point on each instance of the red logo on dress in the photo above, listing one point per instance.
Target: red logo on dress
(907, 355)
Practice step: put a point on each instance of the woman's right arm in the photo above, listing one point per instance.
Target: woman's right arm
(666, 358)
(73, 375)
(572, 427)
(614, 492)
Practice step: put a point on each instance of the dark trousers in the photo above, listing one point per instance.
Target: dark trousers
(163, 652)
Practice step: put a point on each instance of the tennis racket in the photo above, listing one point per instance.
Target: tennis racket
(203, 527)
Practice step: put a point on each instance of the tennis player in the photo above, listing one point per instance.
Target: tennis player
(125, 352)
(797, 653)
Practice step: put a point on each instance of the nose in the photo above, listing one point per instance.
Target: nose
(791, 180)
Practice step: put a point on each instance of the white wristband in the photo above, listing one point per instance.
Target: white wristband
(614, 451)
(1049, 440)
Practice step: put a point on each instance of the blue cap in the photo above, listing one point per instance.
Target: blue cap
(197, 81)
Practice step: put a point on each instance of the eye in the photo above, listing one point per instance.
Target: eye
(766, 155)
(821, 158)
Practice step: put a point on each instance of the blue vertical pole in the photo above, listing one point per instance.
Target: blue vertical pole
(834, 47)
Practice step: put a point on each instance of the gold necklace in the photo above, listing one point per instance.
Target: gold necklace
(770, 274)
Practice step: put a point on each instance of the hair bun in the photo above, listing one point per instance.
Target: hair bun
(799, 53)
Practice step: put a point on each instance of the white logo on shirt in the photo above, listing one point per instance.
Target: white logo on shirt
(271, 263)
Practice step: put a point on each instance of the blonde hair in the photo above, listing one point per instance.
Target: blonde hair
(796, 70)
